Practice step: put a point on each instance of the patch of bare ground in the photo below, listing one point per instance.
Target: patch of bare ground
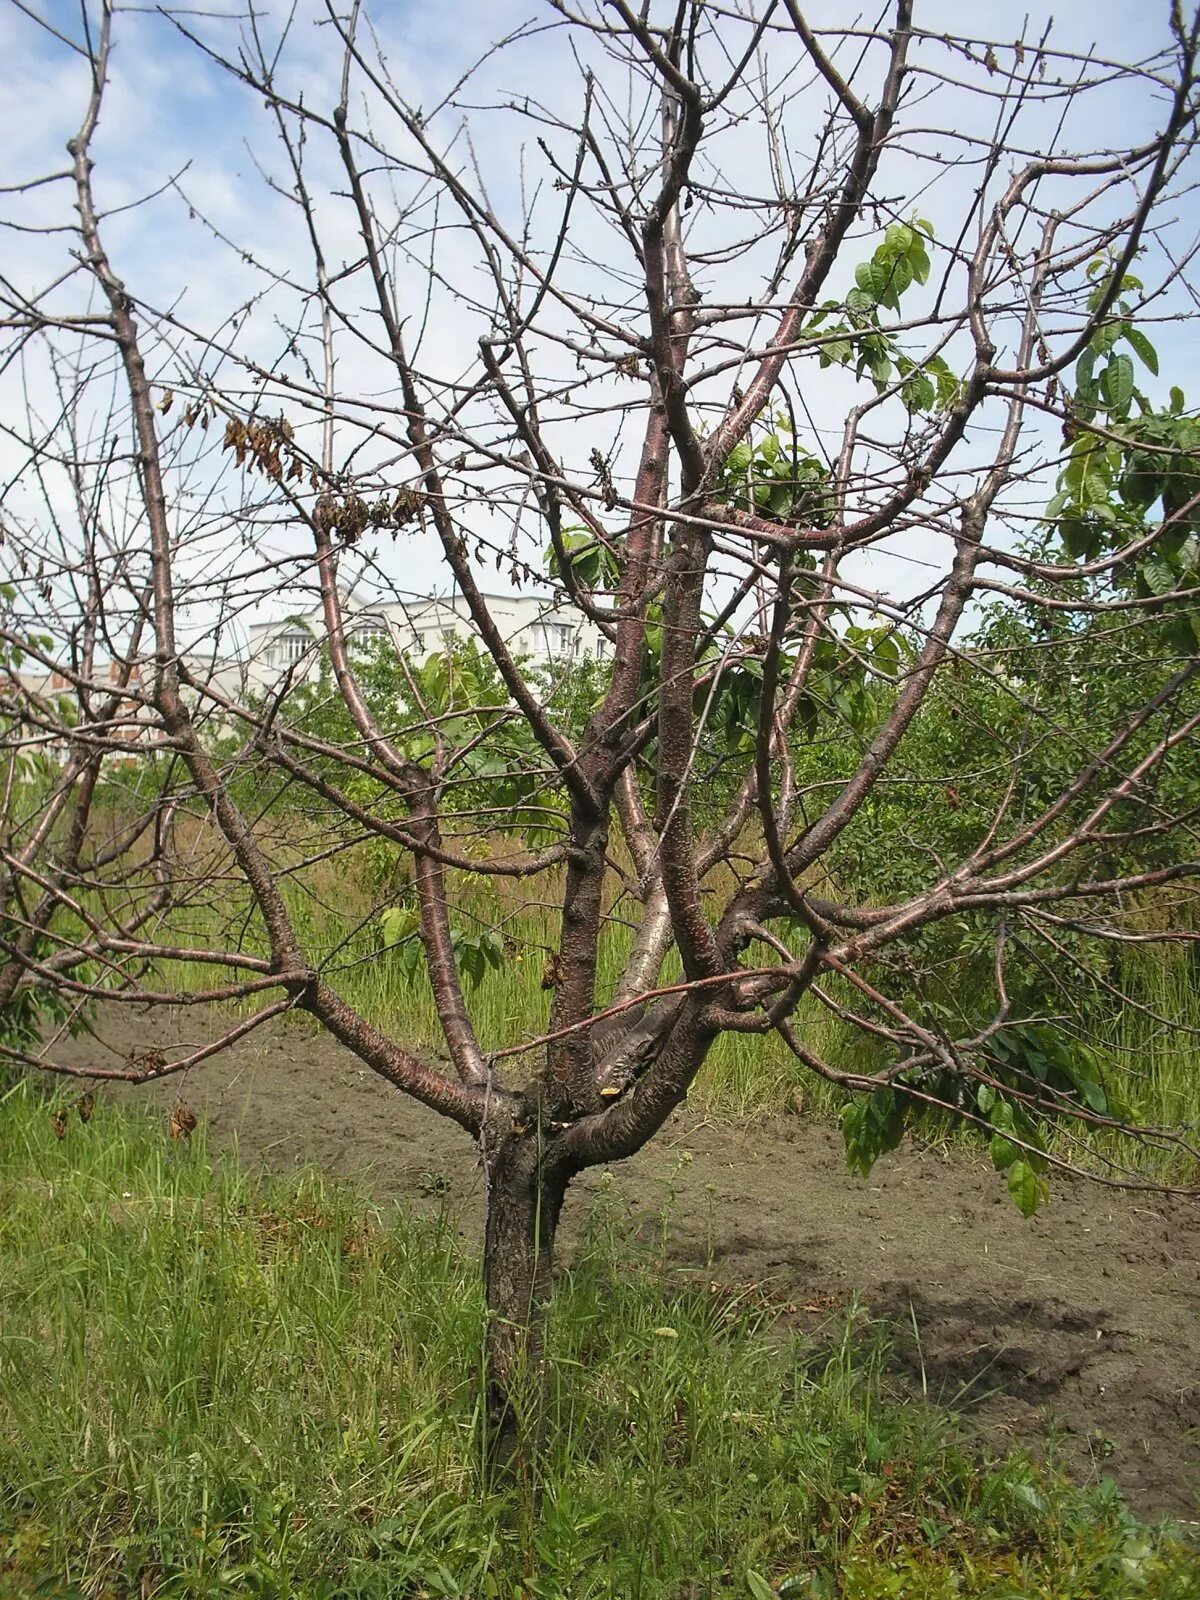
(1081, 1325)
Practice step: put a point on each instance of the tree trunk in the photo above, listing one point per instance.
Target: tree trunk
(523, 1206)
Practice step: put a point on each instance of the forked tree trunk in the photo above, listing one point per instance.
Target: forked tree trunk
(523, 1207)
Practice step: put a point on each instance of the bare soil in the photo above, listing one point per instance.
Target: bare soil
(1080, 1326)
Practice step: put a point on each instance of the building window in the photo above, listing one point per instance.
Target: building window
(560, 638)
(290, 646)
(365, 633)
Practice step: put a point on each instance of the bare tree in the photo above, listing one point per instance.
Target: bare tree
(690, 332)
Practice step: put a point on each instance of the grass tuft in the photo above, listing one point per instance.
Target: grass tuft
(212, 1385)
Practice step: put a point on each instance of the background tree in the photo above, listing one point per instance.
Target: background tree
(707, 364)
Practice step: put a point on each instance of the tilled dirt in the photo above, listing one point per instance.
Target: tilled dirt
(1081, 1324)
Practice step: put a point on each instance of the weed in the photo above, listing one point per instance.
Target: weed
(218, 1386)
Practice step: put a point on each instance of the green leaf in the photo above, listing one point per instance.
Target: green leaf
(1092, 1091)
(900, 275)
(1116, 383)
(1026, 1188)
(1157, 575)
(1108, 335)
(1003, 1152)
(948, 385)
(886, 654)
(859, 302)
(759, 1587)
(1146, 352)
(837, 352)
(1076, 469)
(919, 393)
(865, 276)
(398, 923)
(492, 945)
(870, 1127)
(1029, 1496)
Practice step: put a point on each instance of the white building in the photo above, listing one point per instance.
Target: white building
(36, 708)
(535, 629)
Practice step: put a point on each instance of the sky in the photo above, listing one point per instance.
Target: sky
(186, 157)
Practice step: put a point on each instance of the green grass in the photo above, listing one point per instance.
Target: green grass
(1149, 1051)
(218, 1386)
(1159, 1059)
(1154, 1063)
(744, 1075)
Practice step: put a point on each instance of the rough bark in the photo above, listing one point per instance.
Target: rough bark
(524, 1201)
